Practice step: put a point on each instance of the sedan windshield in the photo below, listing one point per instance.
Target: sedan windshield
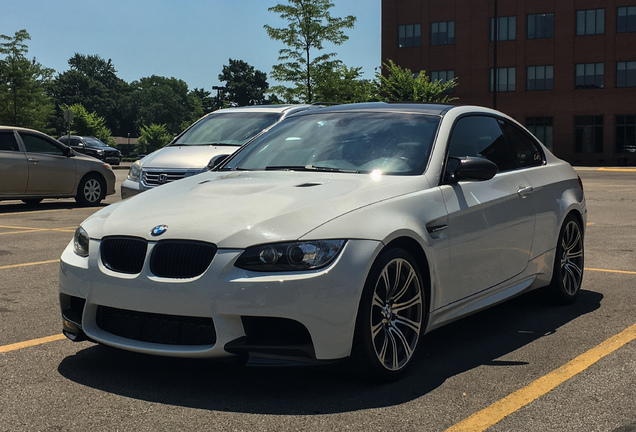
(227, 128)
(352, 142)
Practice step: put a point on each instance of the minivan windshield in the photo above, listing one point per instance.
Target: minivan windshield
(350, 142)
(227, 128)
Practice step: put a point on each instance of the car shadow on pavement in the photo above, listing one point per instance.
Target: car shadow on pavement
(211, 385)
(47, 205)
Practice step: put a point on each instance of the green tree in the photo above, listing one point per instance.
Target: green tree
(310, 26)
(343, 85)
(244, 84)
(163, 101)
(23, 100)
(206, 100)
(89, 124)
(152, 138)
(92, 82)
(400, 84)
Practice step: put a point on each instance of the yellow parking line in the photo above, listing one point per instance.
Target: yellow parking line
(28, 264)
(29, 229)
(30, 343)
(618, 169)
(611, 271)
(496, 412)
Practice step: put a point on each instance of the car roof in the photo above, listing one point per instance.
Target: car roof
(265, 108)
(20, 129)
(407, 107)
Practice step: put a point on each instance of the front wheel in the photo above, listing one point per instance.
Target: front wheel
(567, 275)
(391, 317)
(91, 190)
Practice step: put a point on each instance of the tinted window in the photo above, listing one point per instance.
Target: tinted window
(36, 144)
(8, 142)
(481, 136)
(526, 150)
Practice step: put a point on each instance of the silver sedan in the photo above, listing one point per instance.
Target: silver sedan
(34, 166)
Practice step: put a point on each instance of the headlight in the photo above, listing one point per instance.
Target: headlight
(80, 242)
(135, 171)
(293, 256)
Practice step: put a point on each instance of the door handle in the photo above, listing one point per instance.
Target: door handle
(34, 160)
(524, 191)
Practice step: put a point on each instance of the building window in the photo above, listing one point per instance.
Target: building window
(507, 28)
(505, 79)
(589, 76)
(443, 33)
(541, 26)
(588, 134)
(540, 78)
(626, 74)
(409, 35)
(590, 22)
(541, 127)
(443, 76)
(626, 134)
(626, 19)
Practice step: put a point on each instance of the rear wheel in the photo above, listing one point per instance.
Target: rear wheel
(391, 317)
(91, 190)
(567, 275)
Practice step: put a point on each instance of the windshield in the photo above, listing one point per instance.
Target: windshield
(94, 142)
(227, 128)
(360, 142)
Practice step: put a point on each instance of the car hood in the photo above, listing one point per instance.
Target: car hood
(180, 157)
(239, 209)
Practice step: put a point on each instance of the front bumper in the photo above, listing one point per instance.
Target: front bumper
(239, 303)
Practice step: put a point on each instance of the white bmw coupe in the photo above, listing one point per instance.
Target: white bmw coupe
(345, 232)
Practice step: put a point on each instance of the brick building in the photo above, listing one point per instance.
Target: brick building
(564, 68)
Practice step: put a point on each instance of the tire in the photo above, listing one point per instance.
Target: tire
(391, 318)
(567, 274)
(91, 190)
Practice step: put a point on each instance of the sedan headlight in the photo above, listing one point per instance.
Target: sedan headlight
(135, 171)
(80, 242)
(292, 256)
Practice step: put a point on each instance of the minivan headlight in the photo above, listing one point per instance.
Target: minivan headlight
(135, 171)
(291, 256)
(80, 242)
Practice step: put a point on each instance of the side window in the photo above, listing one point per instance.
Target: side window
(76, 142)
(481, 136)
(527, 152)
(8, 142)
(36, 144)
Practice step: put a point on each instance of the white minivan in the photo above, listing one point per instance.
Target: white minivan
(221, 132)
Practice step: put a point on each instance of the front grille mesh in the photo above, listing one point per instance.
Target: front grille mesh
(156, 328)
(178, 259)
(181, 259)
(124, 254)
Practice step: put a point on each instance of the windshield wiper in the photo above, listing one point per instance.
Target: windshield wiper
(308, 168)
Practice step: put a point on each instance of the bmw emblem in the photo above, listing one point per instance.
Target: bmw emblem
(158, 230)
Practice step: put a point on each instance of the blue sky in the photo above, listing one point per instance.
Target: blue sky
(186, 39)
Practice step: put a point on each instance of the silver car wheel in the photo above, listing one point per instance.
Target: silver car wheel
(572, 257)
(396, 314)
(92, 190)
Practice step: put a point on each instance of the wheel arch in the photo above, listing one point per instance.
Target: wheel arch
(414, 248)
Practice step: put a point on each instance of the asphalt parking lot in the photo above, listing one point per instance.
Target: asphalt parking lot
(525, 365)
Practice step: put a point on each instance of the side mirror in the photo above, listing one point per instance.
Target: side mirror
(469, 168)
(68, 152)
(215, 161)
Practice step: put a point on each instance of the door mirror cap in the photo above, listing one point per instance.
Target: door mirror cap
(470, 169)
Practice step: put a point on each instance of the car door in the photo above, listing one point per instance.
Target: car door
(50, 170)
(13, 165)
(490, 223)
